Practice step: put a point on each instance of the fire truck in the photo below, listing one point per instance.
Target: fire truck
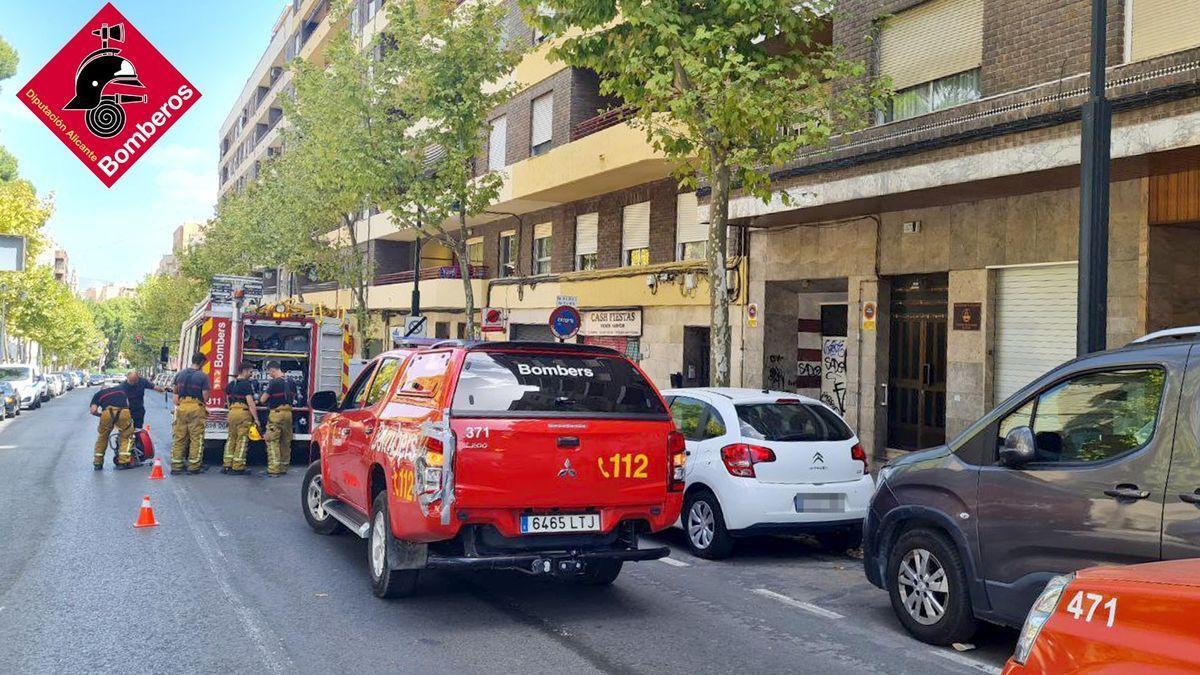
(312, 344)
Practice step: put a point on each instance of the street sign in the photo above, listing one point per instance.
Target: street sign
(564, 322)
(869, 311)
(12, 253)
(415, 326)
(752, 315)
(568, 300)
(495, 320)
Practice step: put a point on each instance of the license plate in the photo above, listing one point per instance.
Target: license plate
(820, 503)
(550, 524)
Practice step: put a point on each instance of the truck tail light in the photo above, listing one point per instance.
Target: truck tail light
(429, 472)
(740, 458)
(857, 453)
(677, 450)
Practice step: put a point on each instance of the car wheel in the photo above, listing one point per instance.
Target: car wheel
(599, 573)
(312, 499)
(927, 583)
(385, 581)
(704, 525)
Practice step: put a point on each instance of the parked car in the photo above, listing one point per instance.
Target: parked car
(28, 382)
(10, 403)
(766, 462)
(69, 379)
(97, 379)
(541, 457)
(54, 385)
(1096, 462)
(1114, 619)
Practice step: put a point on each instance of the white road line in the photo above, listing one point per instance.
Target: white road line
(798, 604)
(965, 661)
(674, 563)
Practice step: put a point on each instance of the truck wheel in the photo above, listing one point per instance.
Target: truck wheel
(599, 573)
(312, 500)
(927, 583)
(704, 525)
(385, 581)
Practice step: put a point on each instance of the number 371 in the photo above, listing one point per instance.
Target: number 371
(1078, 607)
(623, 465)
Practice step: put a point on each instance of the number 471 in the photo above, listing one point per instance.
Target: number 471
(1076, 607)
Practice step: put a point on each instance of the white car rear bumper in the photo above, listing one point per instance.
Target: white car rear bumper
(747, 503)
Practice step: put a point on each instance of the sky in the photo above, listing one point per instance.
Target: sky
(118, 234)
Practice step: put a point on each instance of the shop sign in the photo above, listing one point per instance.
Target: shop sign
(967, 315)
(612, 322)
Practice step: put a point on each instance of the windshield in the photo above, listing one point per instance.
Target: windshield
(518, 384)
(10, 373)
(791, 422)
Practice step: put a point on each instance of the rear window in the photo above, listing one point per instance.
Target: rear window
(522, 385)
(791, 422)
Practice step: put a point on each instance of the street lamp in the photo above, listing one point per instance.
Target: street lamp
(1092, 313)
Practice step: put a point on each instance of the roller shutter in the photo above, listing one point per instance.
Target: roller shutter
(1158, 27)
(635, 227)
(1035, 313)
(688, 227)
(931, 41)
(543, 120)
(587, 226)
(497, 142)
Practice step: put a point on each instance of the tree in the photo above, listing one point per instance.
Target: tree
(443, 68)
(724, 89)
(160, 305)
(114, 319)
(8, 60)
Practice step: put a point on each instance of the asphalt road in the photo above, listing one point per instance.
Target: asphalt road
(233, 580)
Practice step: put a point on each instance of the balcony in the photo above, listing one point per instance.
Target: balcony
(430, 273)
(604, 120)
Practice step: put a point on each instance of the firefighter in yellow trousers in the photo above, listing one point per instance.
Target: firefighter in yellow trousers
(278, 398)
(112, 407)
(242, 416)
(191, 391)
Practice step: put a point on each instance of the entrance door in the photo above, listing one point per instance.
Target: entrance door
(917, 378)
(695, 356)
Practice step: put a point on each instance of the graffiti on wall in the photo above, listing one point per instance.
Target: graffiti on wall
(777, 378)
(833, 372)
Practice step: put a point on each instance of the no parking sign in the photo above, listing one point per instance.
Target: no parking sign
(564, 322)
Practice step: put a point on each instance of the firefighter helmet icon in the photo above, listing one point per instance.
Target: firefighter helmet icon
(105, 117)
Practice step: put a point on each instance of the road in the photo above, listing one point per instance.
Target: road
(233, 580)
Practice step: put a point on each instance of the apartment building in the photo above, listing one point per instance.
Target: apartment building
(926, 268)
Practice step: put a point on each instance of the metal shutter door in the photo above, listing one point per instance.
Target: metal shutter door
(635, 227)
(543, 119)
(1035, 323)
(497, 141)
(688, 227)
(1160, 27)
(531, 332)
(932, 40)
(586, 228)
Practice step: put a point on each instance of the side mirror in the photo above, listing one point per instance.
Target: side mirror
(1019, 448)
(324, 401)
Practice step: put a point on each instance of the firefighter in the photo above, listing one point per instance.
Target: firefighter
(242, 416)
(112, 407)
(135, 390)
(278, 398)
(191, 391)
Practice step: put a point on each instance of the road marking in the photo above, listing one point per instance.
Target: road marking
(674, 563)
(965, 661)
(799, 604)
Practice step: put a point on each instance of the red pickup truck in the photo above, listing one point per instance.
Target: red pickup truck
(544, 458)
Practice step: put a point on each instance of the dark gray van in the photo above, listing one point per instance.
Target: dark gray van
(1096, 462)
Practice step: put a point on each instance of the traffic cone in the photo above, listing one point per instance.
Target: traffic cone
(146, 515)
(156, 472)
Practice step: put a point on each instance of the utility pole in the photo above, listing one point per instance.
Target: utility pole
(1095, 139)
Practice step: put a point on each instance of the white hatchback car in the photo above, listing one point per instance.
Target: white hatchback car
(768, 462)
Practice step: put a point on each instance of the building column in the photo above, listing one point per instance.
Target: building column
(968, 380)
(867, 365)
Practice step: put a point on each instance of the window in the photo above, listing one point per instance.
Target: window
(475, 252)
(635, 234)
(356, 397)
(497, 140)
(508, 253)
(541, 248)
(932, 74)
(791, 422)
(542, 123)
(1093, 417)
(691, 235)
(425, 374)
(696, 420)
(383, 379)
(441, 330)
(946, 92)
(519, 384)
(586, 230)
(538, 36)
(1158, 27)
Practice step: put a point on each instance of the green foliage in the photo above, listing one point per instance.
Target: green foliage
(45, 310)
(159, 307)
(8, 60)
(8, 165)
(114, 318)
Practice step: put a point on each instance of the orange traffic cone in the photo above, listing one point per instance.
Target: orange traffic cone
(146, 515)
(156, 472)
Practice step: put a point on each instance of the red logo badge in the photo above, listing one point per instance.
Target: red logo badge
(108, 94)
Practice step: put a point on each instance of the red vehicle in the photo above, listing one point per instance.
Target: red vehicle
(1140, 618)
(545, 458)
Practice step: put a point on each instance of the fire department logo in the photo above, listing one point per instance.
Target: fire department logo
(109, 95)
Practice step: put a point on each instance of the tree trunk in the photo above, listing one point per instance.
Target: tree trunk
(464, 266)
(358, 282)
(718, 281)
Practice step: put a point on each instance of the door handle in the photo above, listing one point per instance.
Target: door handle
(568, 441)
(1191, 498)
(883, 404)
(1128, 492)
